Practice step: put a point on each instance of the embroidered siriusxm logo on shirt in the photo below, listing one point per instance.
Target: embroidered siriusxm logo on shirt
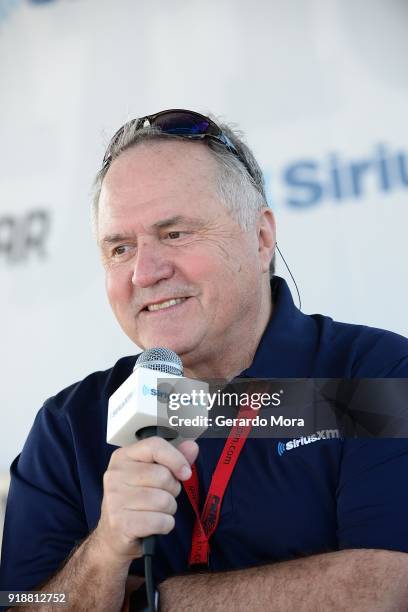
(324, 434)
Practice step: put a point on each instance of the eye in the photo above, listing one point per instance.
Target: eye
(177, 235)
(120, 250)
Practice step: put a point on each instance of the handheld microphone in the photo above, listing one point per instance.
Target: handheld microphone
(140, 408)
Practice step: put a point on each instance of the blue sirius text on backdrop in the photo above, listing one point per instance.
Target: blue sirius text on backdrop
(309, 181)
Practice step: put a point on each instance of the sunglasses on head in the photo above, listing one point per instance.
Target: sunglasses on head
(184, 123)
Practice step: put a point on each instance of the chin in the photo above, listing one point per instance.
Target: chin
(170, 342)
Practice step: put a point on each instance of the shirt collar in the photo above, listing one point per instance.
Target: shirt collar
(289, 343)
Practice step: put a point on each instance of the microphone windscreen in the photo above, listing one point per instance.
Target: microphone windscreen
(161, 359)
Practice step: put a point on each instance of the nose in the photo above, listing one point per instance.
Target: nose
(152, 265)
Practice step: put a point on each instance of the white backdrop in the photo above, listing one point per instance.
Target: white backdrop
(320, 88)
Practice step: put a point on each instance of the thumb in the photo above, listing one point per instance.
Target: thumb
(189, 449)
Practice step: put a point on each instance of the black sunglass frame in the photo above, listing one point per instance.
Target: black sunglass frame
(212, 131)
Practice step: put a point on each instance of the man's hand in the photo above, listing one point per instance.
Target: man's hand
(140, 489)
(141, 484)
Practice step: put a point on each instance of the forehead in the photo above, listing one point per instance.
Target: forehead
(159, 170)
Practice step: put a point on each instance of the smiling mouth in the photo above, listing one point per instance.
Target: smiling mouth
(165, 304)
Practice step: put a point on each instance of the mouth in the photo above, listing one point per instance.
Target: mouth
(164, 305)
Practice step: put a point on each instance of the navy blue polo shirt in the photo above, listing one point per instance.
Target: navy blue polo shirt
(325, 496)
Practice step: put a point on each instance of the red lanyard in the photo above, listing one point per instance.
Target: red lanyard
(206, 524)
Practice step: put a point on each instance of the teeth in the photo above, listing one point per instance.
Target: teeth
(165, 304)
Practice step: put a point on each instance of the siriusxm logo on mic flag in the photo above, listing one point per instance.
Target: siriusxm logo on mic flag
(155, 392)
(143, 399)
(324, 434)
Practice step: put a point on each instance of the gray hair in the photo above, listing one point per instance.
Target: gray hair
(243, 193)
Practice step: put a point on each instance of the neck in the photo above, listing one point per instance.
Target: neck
(239, 354)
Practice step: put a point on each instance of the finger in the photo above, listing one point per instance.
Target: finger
(142, 524)
(153, 500)
(151, 475)
(189, 449)
(157, 450)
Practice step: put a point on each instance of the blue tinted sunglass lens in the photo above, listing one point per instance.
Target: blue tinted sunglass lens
(180, 123)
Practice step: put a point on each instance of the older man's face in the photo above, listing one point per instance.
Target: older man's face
(180, 272)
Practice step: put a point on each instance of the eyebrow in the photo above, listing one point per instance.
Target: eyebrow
(177, 219)
(114, 238)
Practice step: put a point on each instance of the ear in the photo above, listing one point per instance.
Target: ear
(266, 238)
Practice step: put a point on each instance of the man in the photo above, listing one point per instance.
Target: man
(186, 239)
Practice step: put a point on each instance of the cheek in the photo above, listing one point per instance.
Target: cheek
(210, 262)
(197, 267)
(118, 288)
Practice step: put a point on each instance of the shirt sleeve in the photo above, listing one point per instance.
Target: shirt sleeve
(44, 515)
(372, 496)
